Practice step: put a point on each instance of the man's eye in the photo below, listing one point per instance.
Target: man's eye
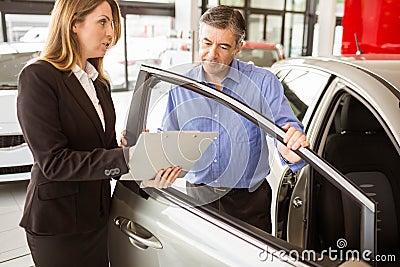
(224, 47)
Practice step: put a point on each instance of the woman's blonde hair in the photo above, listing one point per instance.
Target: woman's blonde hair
(62, 48)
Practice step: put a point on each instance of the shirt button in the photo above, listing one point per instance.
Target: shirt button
(215, 115)
(215, 160)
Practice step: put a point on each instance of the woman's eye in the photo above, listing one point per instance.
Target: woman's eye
(103, 22)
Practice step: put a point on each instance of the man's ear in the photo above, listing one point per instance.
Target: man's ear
(239, 48)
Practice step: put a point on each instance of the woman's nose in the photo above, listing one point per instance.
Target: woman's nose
(110, 30)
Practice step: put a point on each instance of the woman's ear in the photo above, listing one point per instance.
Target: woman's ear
(74, 28)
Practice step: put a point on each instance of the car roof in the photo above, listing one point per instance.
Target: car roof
(388, 70)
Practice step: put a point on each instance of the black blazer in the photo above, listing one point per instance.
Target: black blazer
(74, 158)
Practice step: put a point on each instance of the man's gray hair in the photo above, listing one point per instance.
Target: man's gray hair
(225, 17)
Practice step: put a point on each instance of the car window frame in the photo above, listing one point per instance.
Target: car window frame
(149, 76)
(286, 70)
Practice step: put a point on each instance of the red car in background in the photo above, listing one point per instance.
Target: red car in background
(261, 54)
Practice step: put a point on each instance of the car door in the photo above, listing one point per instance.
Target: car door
(152, 227)
(351, 123)
(352, 120)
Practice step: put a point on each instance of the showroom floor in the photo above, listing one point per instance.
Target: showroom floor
(14, 251)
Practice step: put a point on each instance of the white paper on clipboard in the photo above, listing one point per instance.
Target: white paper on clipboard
(155, 151)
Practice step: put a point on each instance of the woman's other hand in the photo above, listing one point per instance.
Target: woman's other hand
(122, 141)
(163, 179)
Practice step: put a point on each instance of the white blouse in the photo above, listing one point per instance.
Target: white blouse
(86, 79)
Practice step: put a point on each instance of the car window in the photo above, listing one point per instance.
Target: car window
(301, 88)
(350, 124)
(160, 117)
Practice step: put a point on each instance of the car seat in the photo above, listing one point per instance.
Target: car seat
(363, 152)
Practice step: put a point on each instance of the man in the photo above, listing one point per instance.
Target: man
(230, 176)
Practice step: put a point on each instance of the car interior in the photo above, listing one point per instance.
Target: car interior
(358, 146)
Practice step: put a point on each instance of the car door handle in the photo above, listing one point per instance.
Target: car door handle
(138, 235)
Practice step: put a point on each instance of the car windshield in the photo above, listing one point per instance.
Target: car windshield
(12, 60)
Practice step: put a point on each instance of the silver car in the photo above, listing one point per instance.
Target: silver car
(343, 208)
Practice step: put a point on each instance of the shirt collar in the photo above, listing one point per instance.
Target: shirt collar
(233, 73)
(90, 71)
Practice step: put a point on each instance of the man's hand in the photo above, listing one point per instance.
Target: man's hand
(164, 178)
(294, 139)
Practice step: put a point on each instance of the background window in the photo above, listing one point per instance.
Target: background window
(296, 5)
(27, 28)
(271, 4)
(294, 32)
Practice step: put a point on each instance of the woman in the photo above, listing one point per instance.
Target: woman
(68, 120)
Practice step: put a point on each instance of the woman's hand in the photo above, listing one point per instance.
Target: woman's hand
(164, 178)
(122, 141)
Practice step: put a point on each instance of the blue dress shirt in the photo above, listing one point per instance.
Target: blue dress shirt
(238, 157)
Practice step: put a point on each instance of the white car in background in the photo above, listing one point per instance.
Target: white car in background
(15, 158)
(35, 35)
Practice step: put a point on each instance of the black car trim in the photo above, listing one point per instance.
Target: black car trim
(7, 141)
(328, 84)
(15, 169)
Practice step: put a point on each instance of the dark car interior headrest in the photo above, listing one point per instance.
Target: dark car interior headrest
(355, 117)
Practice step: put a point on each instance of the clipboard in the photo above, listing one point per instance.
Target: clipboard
(155, 151)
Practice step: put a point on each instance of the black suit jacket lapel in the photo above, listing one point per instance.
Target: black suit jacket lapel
(84, 101)
(108, 109)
